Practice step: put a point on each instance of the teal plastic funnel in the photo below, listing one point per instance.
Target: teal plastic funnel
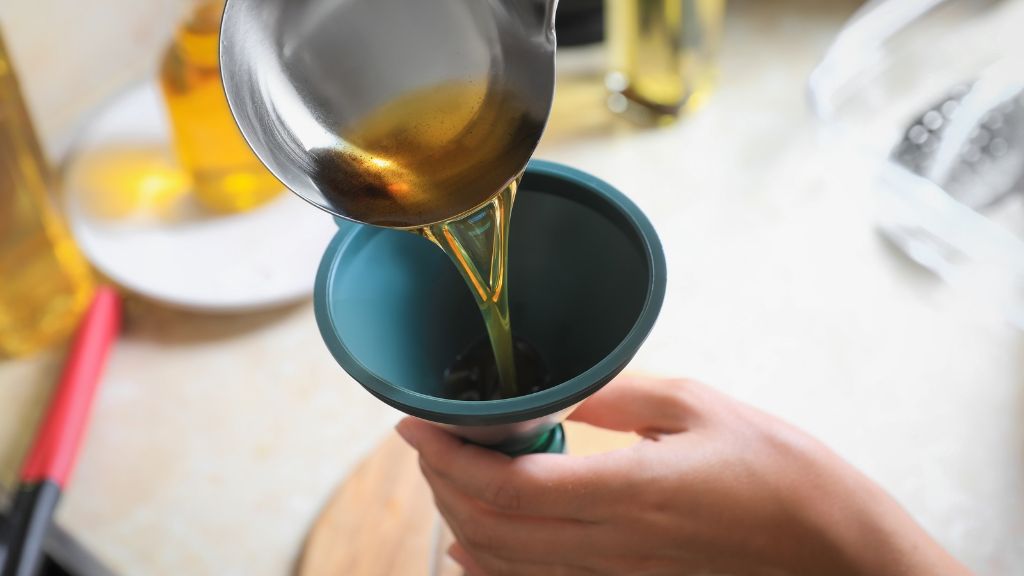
(586, 282)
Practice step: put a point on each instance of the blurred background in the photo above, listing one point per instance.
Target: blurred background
(838, 186)
(116, 44)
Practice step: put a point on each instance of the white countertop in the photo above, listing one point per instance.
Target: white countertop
(215, 440)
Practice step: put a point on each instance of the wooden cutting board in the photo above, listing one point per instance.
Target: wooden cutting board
(380, 521)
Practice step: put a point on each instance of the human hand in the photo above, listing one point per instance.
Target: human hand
(714, 486)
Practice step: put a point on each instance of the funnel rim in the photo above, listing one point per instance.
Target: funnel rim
(510, 410)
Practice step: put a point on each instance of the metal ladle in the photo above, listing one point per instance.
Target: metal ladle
(298, 72)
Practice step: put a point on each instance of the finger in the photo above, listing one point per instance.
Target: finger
(513, 538)
(645, 405)
(462, 558)
(489, 566)
(549, 485)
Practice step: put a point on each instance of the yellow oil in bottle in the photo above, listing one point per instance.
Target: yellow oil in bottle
(662, 54)
(45, 283)
(226, 174)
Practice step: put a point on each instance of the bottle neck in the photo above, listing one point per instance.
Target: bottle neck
(205, 17)
(199, 36)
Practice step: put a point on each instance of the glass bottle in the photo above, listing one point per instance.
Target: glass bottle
(662, 54)
(226, 174)
(45, 283)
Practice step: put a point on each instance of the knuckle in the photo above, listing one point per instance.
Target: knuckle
(682, 388)
(680, 397)
(503, 496)
(690, 395)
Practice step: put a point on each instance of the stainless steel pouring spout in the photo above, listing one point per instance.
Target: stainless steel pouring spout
(299, 73)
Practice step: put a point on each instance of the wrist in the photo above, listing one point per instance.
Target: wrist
(865, 531)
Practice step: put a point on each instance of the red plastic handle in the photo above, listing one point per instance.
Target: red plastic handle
(56, 445)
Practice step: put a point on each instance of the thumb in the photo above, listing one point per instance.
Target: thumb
(642, 404)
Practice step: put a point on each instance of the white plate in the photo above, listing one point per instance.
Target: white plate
(131, 212)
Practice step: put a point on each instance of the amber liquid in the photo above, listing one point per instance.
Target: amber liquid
(428, 154)
(478, 245)
(662, 53)
(45, 283)
(226, 174)
(432, 153)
